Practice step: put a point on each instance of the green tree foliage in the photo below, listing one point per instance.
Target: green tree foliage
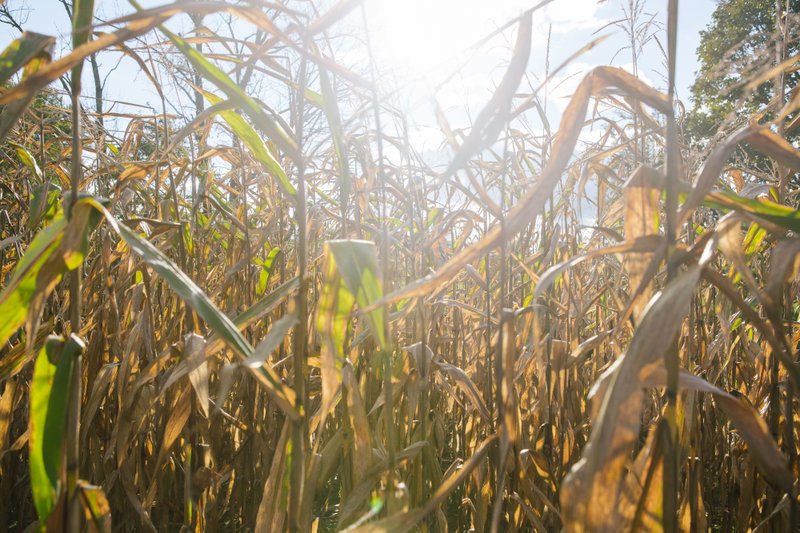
(738, 41)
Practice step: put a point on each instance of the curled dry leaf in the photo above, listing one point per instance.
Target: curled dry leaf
(594, 481)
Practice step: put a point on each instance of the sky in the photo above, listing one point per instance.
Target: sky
(421, 44)
(427, 41)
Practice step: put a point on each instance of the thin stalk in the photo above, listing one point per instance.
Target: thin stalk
(299, 426)
(386, 352)
(782, 12)
(182, 255)
(671, 477)
(502, 391)
(73, 515)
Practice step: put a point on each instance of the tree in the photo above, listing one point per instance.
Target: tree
(739, 41)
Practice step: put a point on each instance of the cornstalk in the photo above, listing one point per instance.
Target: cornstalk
(672, 358)
(782, 26)
(299, 426)
(385, 351)
(73, 514)
(501, 391)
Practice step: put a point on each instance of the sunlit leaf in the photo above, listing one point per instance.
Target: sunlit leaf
(38, 61)
(48, 420)
(267, 267)
(357, 263)
(199, 301)
(21, 51)
(235, 93)
(18, 294)
(254, 144)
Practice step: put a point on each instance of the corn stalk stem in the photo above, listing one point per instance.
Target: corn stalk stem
(73, 515)
(671, 480)
(299, 426)
(782, 12)
(386, 352)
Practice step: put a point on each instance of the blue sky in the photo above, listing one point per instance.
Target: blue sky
(419, 43)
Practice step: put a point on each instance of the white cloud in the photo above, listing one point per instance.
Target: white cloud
(572, 15)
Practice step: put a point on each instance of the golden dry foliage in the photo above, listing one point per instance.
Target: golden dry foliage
(269, 313)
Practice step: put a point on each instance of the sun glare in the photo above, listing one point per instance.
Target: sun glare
(418, 37)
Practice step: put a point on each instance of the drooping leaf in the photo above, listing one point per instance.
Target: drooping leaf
(591, 489)
(494, 116)
(14, 110)
(467, 386)
(17, 295)
(59, 247)
(254, 144)
(190, 293)
(136, 25)
(273, 339)
(599, 81)
(216, 319)
(21, 51)
(750, 425)
(235, 93)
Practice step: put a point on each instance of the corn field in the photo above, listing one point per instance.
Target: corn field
(262, 309)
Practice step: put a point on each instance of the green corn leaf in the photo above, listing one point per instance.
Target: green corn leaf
(352, 277)
(33, 62)
(235, 93)
(27, 159)
(197, 300)
(190, 293)
(331, 108)
(333, 321)
(434, 214)
(185, 288)
(59, 247)
(357, 263)
(44, 203)
(776, 213)
(18, 294)
(48, 419)
(755, 236)
(267, 267)
(248, 135)
(82, 15)
(23, 50)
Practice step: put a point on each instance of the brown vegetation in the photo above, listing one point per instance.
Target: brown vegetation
(268, 315)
